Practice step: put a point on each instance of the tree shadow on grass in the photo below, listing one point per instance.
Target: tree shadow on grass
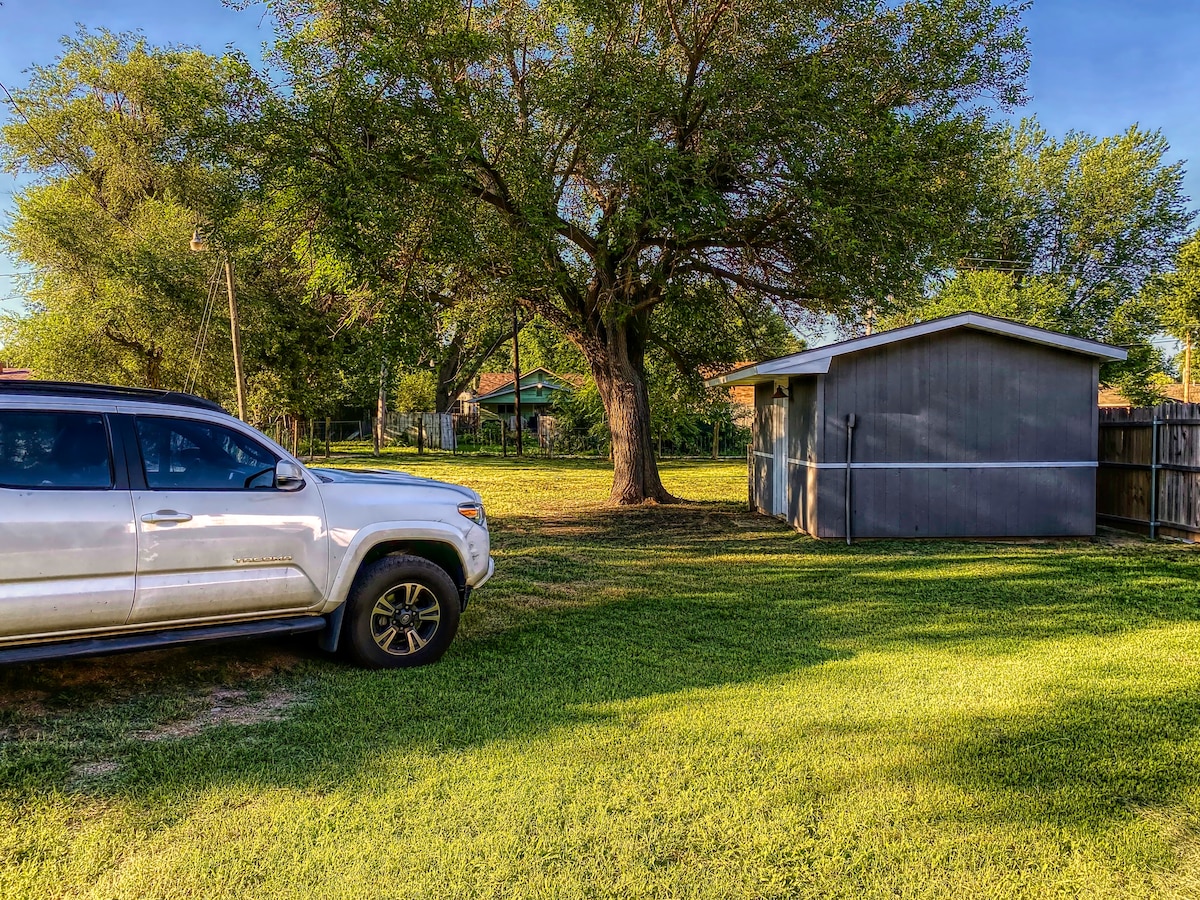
(557, 661)
(877, 593)
(1086, 761)
(586, 611)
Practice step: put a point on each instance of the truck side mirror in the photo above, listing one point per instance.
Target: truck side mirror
(288, 476)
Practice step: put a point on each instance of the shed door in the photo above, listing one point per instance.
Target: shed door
(779, 471)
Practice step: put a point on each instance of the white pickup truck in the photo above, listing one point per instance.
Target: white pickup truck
(132, 519)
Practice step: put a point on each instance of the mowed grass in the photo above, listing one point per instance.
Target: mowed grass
(683, 702)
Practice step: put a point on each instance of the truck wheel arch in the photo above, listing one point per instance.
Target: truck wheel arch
(439, 552)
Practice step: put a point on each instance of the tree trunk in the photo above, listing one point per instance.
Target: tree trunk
(617, 360)
(447, 375)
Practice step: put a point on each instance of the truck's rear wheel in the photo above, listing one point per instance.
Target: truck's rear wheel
(403, 612)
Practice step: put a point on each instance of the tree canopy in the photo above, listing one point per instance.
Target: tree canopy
(1070, 232)
(607, 164)
(120, 139)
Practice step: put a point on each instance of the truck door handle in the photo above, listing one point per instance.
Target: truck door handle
(165, 515)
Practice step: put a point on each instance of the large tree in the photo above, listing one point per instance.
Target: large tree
(120, 138)
(115, 294)
(606, 162)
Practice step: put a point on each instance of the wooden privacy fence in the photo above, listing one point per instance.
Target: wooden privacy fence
(1149, 474)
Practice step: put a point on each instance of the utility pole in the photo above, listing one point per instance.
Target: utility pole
(517, 378)
(235, 333)
(380, 408)
(199, 244)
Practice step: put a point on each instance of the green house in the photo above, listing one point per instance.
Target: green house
(539, 387)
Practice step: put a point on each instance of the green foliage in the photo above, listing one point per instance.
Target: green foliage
(581, 420)
(1035, 300)
(1071, 233)
(120, 140)
(1175, 295)
(118, 121)
(414, 392)
(1101, 214)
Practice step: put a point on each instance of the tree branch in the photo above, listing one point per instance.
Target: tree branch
(752, 284)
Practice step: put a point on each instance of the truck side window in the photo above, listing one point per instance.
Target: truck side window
(187, 454)
(54, 450)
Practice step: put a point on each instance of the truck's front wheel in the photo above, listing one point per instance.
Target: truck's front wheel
(403, 612)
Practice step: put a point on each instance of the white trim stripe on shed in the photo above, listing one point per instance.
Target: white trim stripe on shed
(817, 360)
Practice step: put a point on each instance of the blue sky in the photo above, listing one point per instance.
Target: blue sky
(1098, 65)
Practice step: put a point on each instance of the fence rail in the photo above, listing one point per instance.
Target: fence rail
(1149, 473)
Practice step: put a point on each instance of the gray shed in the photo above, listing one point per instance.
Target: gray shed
(967, 426)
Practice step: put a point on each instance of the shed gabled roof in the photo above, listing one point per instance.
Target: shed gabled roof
(817, 360)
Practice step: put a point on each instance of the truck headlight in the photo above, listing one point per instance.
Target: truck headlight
(474, 512)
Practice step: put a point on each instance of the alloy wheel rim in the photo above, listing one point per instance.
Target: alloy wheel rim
(405, 619)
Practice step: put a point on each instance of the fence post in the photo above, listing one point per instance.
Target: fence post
(327, 437)
(1154, 476)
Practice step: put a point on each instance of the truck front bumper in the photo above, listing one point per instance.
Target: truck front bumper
(491, 570)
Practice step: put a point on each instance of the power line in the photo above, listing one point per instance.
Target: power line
(1009, 265)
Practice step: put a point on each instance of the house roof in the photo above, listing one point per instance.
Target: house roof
(496, 383)
(1113, 397)
(742, 394)
(7, 374)
(490, 381)
(817, 360)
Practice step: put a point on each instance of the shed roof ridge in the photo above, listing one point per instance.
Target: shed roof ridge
(797, 363)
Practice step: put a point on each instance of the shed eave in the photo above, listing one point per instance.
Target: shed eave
(816, 364)
(771, 370)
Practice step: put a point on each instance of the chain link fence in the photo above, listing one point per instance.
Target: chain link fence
(540, 435)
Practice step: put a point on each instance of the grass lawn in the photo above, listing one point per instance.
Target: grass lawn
(683, 702)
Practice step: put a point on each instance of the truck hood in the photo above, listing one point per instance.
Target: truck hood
(391, 478)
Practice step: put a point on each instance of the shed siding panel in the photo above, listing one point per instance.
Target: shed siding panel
(802, 445)
(942, 503)
(962, 396)
(762, 418)
(797, 511)
(802, 418)
(760, 467)
(761, 483)
(831, 503)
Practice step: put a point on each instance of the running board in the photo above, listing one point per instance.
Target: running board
(154, 640)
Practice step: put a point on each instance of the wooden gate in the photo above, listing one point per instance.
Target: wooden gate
(1149, 474)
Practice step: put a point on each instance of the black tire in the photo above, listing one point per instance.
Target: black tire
(403, 612)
